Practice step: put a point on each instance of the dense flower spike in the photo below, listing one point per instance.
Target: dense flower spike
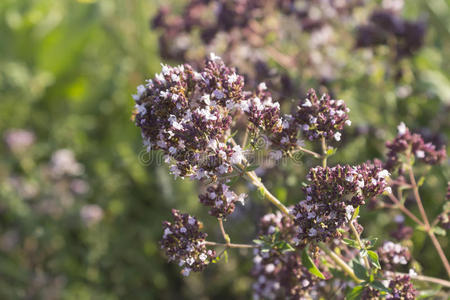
(187, 114)
(401, 289)
(407, 142)
(322, 117)
(221, 200)
(184, 243)
(392, 255)
(332, 197)
(280, 275)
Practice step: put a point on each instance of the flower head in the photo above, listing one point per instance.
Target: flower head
(407, 142)
(187, 115)
(332, 196)
(278, 274)
(322, 117)
(392, 255)
(221, 199)
(184, 243)
(401, 289)
(263, 114)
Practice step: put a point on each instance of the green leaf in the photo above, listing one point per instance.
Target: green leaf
(341, 230)
(331, 151)
(363, 253)
(355, 213)
(439, 230)
(351, 243)
(258, 242)
(373, 256)
(355, 293)
(379, 286)
(359, 270)
(232, 135)
(251, 168)
(225, 256)
(420, 181)
(309, 264)
(287, 248)
(262, 192)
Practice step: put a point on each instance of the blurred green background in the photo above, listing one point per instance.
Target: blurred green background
(84, 223)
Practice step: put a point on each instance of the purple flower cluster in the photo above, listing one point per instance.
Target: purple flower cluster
(19, 140)
(221, 199)
(280, 275)
(184, 243)
(187, 115)
(407, 142)
(227, 15)
(332, 197)
(322, 117)
(315, 117)
(401, 289)
(234, 19)
(262, 113)
(386, 27)
(392, 255)
(402, 232)
(369, 293)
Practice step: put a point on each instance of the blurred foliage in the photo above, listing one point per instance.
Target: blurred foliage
(67, 69)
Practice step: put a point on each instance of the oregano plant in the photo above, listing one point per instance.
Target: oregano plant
(207, 125)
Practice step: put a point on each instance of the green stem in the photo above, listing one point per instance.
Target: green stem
(361, 245)
(257, 182)
(324, 153)
(230, 245)
(428, 228)
(226, 237)
(315, 154)
(346, 268)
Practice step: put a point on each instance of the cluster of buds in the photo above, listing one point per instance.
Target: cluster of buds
(369, 293)
(221, 199)
(322, 117)
(184, 243)
(262, 113)
(187, 115)
(402, 232)
(214, 18)
(408, 143)
(392, 255)
(279, 274)
(401, 289)
(332, 196)
(315, 117)
(228, 15)
(386, 26)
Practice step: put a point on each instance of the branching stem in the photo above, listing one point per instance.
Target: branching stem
(231, 245)
(427, 226)
(360, 243)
